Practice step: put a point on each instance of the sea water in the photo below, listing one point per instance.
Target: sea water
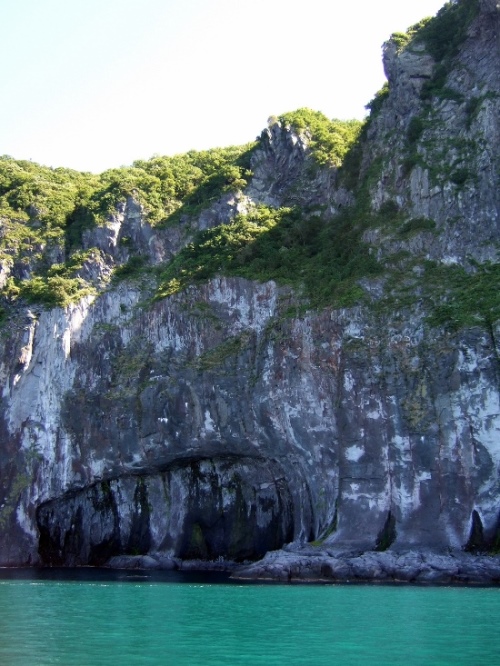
(147, 619)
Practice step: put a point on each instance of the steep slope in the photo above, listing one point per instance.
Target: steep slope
(296, 341)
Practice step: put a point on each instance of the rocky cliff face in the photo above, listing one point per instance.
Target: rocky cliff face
(224, 421)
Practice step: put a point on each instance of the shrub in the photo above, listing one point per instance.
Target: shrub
(403, 39)
(460, 176)
(375, 105)
(415, 129)
(54, 291)
(46, 211)
(444, 34)
(442, 37)
(416, 224)
(462, 298)
(132, 269)
(285, 245)
(330, 139)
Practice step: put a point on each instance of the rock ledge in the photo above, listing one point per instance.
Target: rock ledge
(311, 565)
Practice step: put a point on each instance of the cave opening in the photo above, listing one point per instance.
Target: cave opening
(207, 509)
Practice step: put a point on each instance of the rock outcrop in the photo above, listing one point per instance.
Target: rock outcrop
(328, 566)
(225, 421)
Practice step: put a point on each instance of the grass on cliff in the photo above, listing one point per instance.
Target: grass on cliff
(453, 297)
(329, 140)
(463, 298)
(442, 37)
(44, 212)
(167, 187)
(322, 260)
(443, 34)
(322, 257)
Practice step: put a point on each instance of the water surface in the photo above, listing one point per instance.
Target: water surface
(101, 619)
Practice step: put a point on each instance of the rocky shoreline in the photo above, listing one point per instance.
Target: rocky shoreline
(309, 564)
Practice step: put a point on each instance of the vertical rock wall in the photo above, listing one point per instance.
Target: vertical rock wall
(221, 422)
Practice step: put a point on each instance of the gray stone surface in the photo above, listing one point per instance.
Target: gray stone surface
(419, 567)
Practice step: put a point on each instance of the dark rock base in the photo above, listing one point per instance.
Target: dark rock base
(312, 565)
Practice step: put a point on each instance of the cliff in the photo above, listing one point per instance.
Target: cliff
(308, 353)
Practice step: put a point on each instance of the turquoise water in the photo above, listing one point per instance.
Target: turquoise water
(142, 621)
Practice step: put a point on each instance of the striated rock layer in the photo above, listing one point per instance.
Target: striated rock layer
(222, 422)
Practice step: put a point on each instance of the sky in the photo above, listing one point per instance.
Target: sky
(96, 84)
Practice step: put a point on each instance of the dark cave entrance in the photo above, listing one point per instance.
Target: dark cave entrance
(207, 509)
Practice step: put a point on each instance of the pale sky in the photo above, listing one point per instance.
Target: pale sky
(95, 84)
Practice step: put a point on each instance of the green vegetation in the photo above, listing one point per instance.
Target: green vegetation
(462, 298)
(134, 268)
(216, 356)
(435, 86)
(460, 176)
(474, 104)
(186, 184)
(414, 133)
(444, 34)
(445, 160)
(40, 195)
(287, 245)
(330, 139)
(375, 105)
(441, 36)
(403, 40)
(35, 203)
(448, 161)
(415, 129)
(130, 367)
(322, 259)
(49, 291)
(20, 482)
(352, 161)
(44, 213)
(416, 224)
(454, 296)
